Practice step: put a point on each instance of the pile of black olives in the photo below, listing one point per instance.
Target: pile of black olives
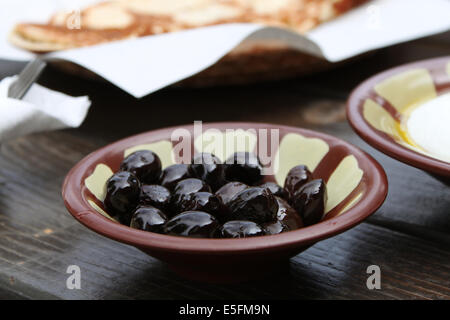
(211, 199)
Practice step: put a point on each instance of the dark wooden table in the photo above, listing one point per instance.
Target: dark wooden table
(409, 237)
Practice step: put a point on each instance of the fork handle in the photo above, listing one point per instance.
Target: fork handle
(26, 78)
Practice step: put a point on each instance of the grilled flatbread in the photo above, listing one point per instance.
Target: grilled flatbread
(251, 61)
(123, 19)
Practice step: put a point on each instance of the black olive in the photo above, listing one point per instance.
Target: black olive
(155, 195)
(310, 201)
(228, 191)
(148, 218)
(204, 201)
(173, 174)
(244, 167)
(287, 215)
(184, 188)
(240, 229)
(275, 189)
(196, 224)
(122, 195)
(275, 227)
(209, 168)
(190, 185)
(255, 204)
(144, 164)
(296, 178)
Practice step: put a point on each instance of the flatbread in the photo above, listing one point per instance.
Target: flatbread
(123, 19)
(250, 62)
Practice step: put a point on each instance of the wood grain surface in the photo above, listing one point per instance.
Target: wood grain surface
(409, 237)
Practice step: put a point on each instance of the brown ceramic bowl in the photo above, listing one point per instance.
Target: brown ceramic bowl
(379, 106)
(357, 186)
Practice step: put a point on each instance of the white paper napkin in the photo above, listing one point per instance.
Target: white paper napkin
(144, 65)
(41, 109)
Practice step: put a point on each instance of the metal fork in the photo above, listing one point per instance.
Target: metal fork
(26, 78)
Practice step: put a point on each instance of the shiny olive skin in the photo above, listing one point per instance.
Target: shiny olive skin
(148, 218)
(144, 164)
(296, 178)
(244, 167)
(171, 175)
(122, 195)
(240, 229)
(184, 188)
(310, 201)
(208, 168)
(195, 224)
(288, 216)
(275, 189)
(276, 227)
(190, 185)
(204, 201)
(254, 204)
(228, 191)
(156, 196)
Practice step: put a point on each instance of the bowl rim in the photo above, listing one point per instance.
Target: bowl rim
(86, 215)
(378, 139)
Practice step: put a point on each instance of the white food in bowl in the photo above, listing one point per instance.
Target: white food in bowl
(429, 126)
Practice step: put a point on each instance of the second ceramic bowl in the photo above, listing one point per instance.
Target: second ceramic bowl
(378, 108)
(356, 183)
